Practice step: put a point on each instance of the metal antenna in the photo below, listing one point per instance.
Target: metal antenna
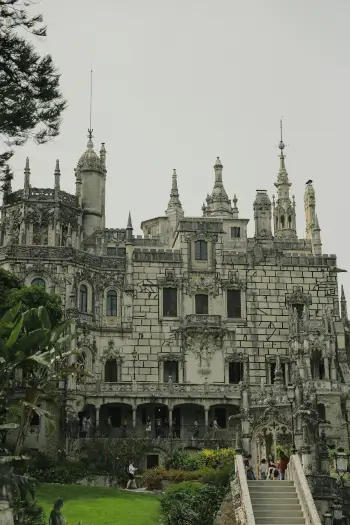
(90, 119)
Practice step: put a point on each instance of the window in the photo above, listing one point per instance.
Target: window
(111, 250)
(300, 310)
(282, 221)
(235, 372)
(83, 295)
(169, 302)
(273, 369)
(201, 251)
(111, 371)
(202, 304)
(111, 307)
(39, 282)
(234, 308)
(171, 369)
(235, 232)
(321, 410)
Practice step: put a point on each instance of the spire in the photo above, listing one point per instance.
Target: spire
(283, 208)
(129, 221)
(343, 305)
(57, 175)
(26, 178)
(174, 202)
(103, 155)
(129, 229)
(218, 204)
(235, 209)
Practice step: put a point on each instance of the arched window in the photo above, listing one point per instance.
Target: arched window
(111, 371)
(282, 221)
(201, 251)
(83, 296)
(38, 282)
(82, 361)
(111, 306)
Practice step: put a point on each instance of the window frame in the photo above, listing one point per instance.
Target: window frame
(195, 303)
(201, 254)
(176, 378)
(37, 284)
(117, 364)
(239, 292)
(83, 293)
(235, 229)
(176, 293)
(110, 295)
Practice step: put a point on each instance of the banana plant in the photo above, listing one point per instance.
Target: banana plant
(29, 344)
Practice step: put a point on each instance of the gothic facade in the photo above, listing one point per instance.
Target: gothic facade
(192, 321)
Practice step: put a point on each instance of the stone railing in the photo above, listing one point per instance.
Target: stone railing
(295, 472)
(155, 389)
(240, 495)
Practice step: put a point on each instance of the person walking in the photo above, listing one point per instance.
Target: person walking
(56, 517)
(131, 483)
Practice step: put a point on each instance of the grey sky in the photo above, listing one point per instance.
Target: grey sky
(177, 84)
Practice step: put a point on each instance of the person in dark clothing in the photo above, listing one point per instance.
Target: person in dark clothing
(56, 517)
(248, 467)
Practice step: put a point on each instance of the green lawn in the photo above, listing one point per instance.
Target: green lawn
(100, 506)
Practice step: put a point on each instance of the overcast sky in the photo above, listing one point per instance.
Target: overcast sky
(176, 84)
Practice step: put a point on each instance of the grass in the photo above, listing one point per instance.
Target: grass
(99, 505)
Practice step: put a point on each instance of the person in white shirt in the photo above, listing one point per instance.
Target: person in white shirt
(131, 482)
(263, 470)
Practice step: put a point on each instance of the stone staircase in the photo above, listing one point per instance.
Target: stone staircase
(275, 502)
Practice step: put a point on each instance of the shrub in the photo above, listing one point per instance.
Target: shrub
(218, 458)
(190, 504)
(219, 477)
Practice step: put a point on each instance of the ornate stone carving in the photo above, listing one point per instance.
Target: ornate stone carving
(170, 357)
(206, 282)
(234, 281)
(236, 358)
(298, 297)
(111, 353)
(113, 280)
(170, 279)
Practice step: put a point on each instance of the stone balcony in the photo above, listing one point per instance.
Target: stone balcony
(201, 320)
(159, 390)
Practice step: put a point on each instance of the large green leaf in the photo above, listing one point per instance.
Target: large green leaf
(42, 359)
(32, 340)
(44, 317)
(59, 330)
(9, 426)
(10, 315)
(15, 333)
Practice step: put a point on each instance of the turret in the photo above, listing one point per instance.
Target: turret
(26, 178)
(218, 203)
(313, 230)
(262, 216)
(90, 176)
(174, 210)
(283, 209)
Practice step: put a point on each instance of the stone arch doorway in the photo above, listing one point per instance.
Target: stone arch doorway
(269, 439)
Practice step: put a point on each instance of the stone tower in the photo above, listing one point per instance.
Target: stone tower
(283, 209)
(218, 203)
(90, 176)
(262, 216)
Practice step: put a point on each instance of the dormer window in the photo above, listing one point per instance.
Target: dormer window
(201, 251)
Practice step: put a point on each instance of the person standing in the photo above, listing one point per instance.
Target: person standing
(263, 470)
(131, 470)
(88, 427)
(56, 517)
(282, 465)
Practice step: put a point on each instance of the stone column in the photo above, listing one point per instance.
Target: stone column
(333, 371)
(134, 417)
(97, 417)
(206, 417)
(170, 419)
(326, 368)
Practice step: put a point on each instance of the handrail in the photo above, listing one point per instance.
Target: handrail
(295, 472)
(240, 484)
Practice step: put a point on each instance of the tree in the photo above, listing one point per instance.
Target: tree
(40, 355)
(13, 292)
(31, 104)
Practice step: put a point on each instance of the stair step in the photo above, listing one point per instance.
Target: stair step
(271, 490)
(287, 513)
(277, 506)
(280, 521)
(257, 502)
(268, 482)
